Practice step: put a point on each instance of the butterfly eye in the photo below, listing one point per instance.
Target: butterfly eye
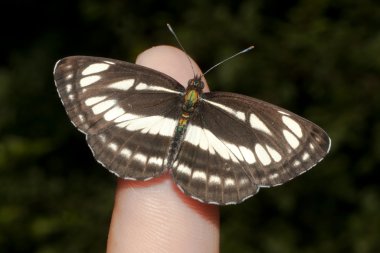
(200, 84)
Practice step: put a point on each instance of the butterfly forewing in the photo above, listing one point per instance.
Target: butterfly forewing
(236, 144)
(128, 112)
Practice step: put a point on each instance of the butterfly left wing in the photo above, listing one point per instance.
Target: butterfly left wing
(128, 112)
(236, 144)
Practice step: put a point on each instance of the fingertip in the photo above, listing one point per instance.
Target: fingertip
(155, 215)
(172, 62)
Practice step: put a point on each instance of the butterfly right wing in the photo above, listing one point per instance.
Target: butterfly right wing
(236, 144)
(128, 112)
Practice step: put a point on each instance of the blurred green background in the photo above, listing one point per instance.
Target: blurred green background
(318, 58)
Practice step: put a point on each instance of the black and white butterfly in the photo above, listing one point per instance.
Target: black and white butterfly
(220, 147)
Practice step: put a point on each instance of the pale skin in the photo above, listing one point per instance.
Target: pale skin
(155, 216)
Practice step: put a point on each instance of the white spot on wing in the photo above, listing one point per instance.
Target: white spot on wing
(214, 179)
(262, 154)
(296, 163)
(140, 123)
(125, 152)
(69, 87)
(274, 154)
(284, 113)
(249, 157)
(144, 86)
(156, 128)
(204, 143)
(122, 85)
(183, 169)
(194, 136)
(112, 146)
(102, 138)
(235, 150)
(81, 117)
(94, 100)
(206, 140)
(88, 80)
(228, 182)
(291, 139)
(95, 68)
(238, 114)
(292, 125)
(155, 161)
(158, 88)
(113, 113)
(69, 76)
(199, 175)
(243, 181)
(147, 124)
(273, 176)
(141, 86)
(140, 158)
(167, 126)
(162, 126)
(217, 145)
(258, 124)
(103, 106)
(125, 117)
(305, 156)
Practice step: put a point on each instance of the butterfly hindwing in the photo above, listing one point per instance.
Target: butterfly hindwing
(236, 144)
(128, 112)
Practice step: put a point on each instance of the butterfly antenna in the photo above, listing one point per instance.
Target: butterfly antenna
(229, 58)
(179, 43)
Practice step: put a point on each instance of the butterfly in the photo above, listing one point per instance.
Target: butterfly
(219, 147)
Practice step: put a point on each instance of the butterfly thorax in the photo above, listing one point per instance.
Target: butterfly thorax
(192, 94)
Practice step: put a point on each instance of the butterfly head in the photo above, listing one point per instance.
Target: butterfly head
(197, 83)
